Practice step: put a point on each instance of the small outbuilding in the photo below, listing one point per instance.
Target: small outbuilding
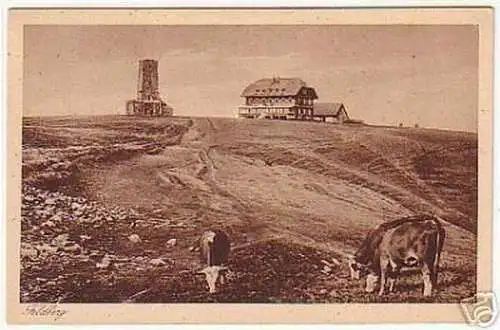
(335, 111)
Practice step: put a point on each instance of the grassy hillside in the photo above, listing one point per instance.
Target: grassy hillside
(294, 197)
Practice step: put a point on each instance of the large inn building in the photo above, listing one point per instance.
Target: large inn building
(278, 98)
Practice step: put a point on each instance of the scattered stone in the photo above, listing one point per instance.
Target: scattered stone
(336, 262)
(83, 258)
(56, 218)
(46, 248)
(162, 223)
(172, 242)
(61, 240)
(60, 235)
(75, 206)
(72, 248)
(96, 258)
(28, 251)
(326, 270)
(191, 248)
(49, 224)
(105, 262)
(134, 238)
(157, 262)
(50, 201)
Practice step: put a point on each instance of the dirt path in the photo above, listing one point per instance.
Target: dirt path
(226, 174)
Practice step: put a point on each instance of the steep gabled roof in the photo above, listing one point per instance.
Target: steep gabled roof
(328, 108)
(276, 87)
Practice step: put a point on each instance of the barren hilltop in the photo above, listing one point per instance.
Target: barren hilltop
(295, 197)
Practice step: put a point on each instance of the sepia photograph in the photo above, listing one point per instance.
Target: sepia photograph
(253, 163)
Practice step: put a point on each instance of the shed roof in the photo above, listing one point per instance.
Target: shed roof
(328, 108)
(275, 87)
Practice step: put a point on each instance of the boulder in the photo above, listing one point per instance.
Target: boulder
(61, 240)
(134, 238)
(157, 262)
(105, 262)
(172, 242)
(28, 251)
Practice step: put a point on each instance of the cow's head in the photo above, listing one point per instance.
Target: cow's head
(356, 269)
(210, 237)
(212, 275)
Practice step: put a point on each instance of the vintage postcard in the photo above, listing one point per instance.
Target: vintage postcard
(250, 166)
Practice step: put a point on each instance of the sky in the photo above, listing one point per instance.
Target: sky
(385, 75)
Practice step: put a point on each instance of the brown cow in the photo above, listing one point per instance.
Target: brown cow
(415, 241)
(214, 252)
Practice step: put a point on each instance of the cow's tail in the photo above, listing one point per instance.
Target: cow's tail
(440, 236)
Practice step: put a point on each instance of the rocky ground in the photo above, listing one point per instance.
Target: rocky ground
(75, 250)
(112, 207)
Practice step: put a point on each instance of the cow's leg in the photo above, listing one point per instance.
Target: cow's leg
(434, 275)
(384, 263)
(393, 274)
(371, 282)
(391, 281)
(427, 274)
(434, 278)
(222, 279)
(383, 279)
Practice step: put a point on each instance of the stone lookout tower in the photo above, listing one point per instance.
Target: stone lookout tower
(148, 101)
